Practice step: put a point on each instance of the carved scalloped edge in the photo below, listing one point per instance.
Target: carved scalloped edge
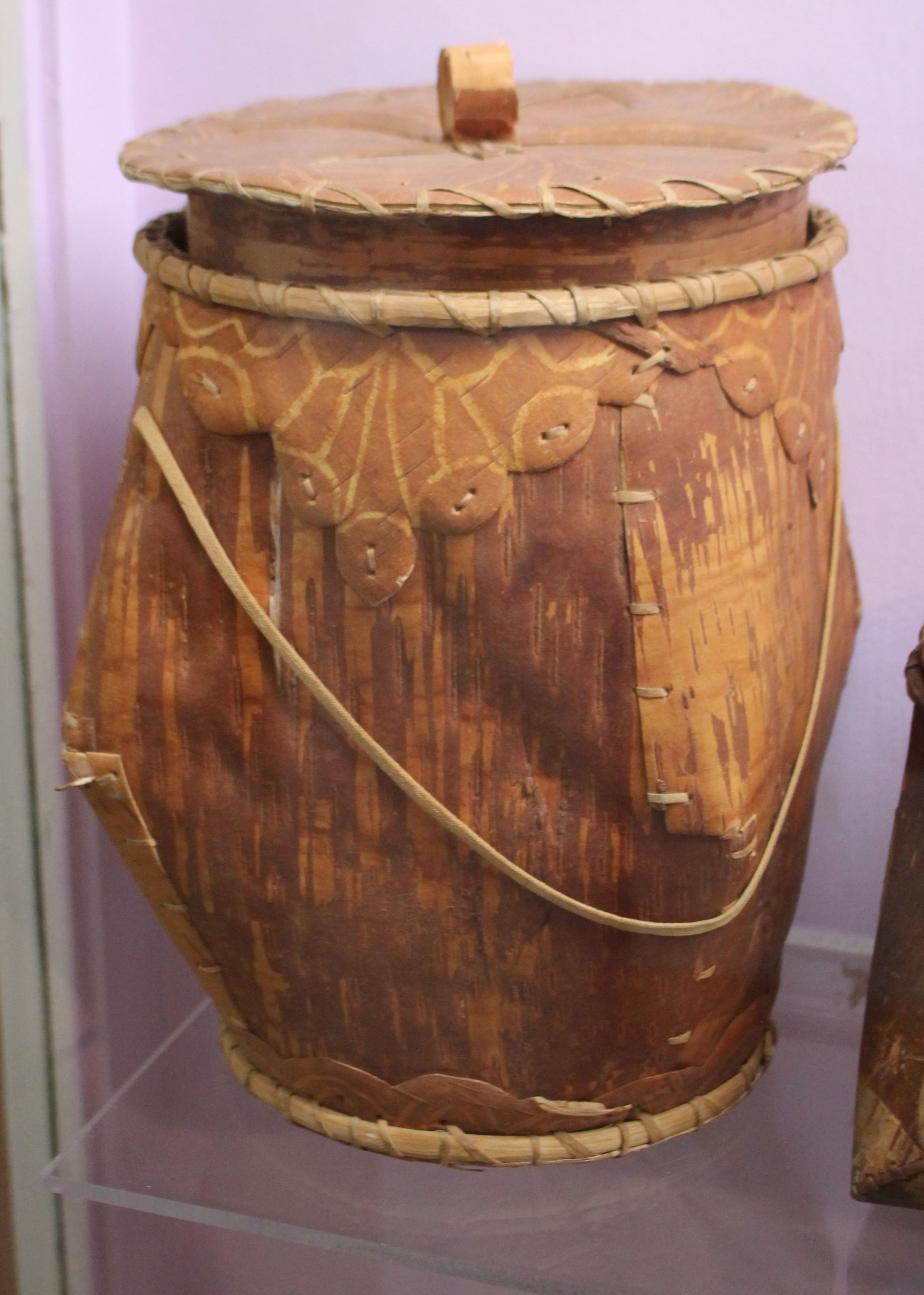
(427, 1101)
(451, 1145)
(234, 365)
(433, 1101)
(352, 458)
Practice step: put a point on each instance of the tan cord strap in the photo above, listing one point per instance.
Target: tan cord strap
(354, 732)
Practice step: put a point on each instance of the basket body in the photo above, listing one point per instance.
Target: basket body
(574, 580)
(888, 1167)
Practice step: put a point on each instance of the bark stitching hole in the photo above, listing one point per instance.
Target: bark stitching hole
(466, 498)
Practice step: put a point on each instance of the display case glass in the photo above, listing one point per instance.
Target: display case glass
(756, 1201)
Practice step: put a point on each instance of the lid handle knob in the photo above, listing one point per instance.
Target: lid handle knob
(477, 95)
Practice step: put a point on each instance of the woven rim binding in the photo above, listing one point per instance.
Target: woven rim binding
(451, 1145)
(382, 310)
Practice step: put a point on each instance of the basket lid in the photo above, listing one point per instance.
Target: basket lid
(578, 148)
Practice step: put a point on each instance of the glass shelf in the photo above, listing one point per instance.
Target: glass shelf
(756, 1202)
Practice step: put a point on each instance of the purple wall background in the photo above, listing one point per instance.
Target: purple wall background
(103, 70)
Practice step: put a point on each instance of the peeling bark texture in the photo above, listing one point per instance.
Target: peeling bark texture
(554, 576)
(888, 1161)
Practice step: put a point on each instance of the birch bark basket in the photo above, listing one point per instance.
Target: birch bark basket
(476, 600)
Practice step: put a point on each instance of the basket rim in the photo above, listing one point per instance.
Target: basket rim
(158, 250)
(450, 1145)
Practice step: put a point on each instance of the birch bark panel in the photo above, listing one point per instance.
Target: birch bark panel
(279, 245)
(888, 1163)
(728, 568)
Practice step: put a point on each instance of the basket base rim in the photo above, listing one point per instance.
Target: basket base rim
(452, 1146)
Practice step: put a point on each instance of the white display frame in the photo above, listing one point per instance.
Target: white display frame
(37, 1017)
